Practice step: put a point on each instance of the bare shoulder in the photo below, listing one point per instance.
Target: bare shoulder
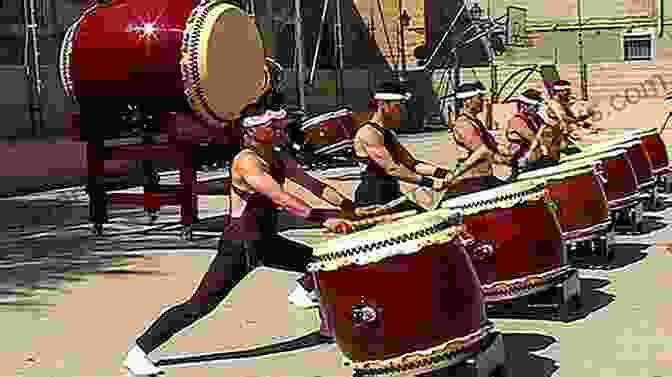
(246, 161)
(367, 133)
(461, 125)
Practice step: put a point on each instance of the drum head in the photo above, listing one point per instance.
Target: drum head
(223, 61)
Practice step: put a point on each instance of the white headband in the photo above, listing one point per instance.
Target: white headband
(392, 96)
(264, 119)
(469, 94)
(528, 101)
(561, 87)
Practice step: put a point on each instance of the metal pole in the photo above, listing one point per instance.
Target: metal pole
(582, 71)
(36, 85)
(325, 7)
(402, 43)
(339, 52)
(298, 36)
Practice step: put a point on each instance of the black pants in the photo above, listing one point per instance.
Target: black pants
(233, 261)
(376, 190)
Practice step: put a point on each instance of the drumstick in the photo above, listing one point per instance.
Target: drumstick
(366, 223)
(669, 115)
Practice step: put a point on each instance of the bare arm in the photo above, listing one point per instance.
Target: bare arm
(318, 188)
(468, 136)
(419, 166)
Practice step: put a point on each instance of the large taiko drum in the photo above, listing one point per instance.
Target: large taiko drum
(655, 148)
(621, 182)
(637, 154)
(578, 190)
(514, 239)
(165, 55)
(330, 132)
(402, 297)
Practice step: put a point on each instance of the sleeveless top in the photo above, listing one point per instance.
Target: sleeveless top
(390, 142)
(486, 138)
(519, 145)
(258, 217)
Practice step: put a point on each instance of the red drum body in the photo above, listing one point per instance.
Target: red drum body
(165, 56)
(641, 163)
(622, 186)
(514, 239)
(656, 150)
(329, 133)
(578, 191)
(397, 301)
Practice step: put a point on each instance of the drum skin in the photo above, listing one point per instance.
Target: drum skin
(165, 56)
(527, 240)
(426, 298)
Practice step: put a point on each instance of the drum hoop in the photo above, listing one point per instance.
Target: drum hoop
(347, 250)
(471, 205)
(326, 116)
(65, 54)
(190, 54)
(594, 155)
(569, 169)
(439, 356)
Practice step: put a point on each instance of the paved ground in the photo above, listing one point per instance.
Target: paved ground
(72, 304)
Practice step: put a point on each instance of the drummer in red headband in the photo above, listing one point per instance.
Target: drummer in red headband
(534, 144)
(385, 159)
(478, 148)
(250, 235)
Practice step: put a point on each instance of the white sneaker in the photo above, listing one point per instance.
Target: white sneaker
(302, 298)
(139, 364)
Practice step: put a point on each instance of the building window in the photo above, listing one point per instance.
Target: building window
(639, 47)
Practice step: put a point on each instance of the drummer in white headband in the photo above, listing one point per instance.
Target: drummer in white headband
(559, 113)
(477, 148)
(387, 161)
(250, 231)
(534, 144)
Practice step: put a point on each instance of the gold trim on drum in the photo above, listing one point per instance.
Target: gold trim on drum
(404, 237)
(441, 356)
(65, 55)
(195, 71)
(530, 284)
(505, 196)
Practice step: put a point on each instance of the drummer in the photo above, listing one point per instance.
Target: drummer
(386, 160)
(250, 236)
(525, 131)
(559, 111)
(477, 146)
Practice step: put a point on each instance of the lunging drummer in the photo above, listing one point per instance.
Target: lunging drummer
(386, 160)
(559, 111)
(250, 235)
(534, 144)
(477, 147)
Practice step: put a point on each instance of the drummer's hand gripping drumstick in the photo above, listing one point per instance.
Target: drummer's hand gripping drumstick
(367, 223)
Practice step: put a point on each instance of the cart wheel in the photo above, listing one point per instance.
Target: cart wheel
(602, 247)
(97, 229)
(153, 215)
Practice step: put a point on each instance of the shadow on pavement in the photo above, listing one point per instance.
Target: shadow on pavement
(307, 341)
(624, 254)
(520, 359)
(542, 306)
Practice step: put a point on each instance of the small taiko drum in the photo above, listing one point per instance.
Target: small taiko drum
(177, 55)
(578, 191)
(402, 297)
(514, 239)
(330, 132)
(621, 182)
(655, 148)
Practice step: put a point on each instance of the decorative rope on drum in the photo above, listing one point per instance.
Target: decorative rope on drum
(406, 236)
(506, 196)
(65, 55)
(201, 27)
(511, 289)
(441, 356)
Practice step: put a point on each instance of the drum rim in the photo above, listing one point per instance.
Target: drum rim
(611, 152)
(65, 54)
(189, 59)
(561, 170)
(436, 227)
(493, 198)
(310, 121)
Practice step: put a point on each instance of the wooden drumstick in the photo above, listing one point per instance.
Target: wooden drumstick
(365, 223)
